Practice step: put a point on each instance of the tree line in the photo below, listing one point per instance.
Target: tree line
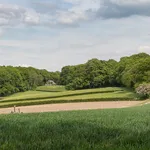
(20, 79)
(128, 72)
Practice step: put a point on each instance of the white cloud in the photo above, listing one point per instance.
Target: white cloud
(44, 6)
(53, 48)
(4, 21)
(11, 15)
(51, 14)
(31, 17)
(108, 9)
(69, 48)
(84, 5)
(123, 8)
(23, 65)
(1, 32)
(15, 15)
(145, 49)
(71, 17)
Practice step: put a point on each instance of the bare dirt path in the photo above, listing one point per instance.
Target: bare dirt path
(71, 106)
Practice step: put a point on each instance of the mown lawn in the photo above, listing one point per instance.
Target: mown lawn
(55, 88)
(116, 129)
(42, 94)
(38, 97)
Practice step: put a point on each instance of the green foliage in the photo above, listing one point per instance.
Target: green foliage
(128, 72)
(115, 129)
(137, 73)
(19, 79)
(78, 83)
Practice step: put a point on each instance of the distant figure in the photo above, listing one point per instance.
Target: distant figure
(50, 83)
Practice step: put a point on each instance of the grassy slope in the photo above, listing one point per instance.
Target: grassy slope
(36, 97)
(82, 98)
(41, 94)
(51, 88)
(117, 129)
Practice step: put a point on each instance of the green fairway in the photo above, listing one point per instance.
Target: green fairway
(44, 95)
(38, 97)
(117, 129)
(51, 88)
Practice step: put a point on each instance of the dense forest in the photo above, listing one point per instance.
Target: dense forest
(20, 79)
(128, 72)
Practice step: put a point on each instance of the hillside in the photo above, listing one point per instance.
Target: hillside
(45, 97)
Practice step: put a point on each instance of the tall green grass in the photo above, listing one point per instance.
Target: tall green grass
(116, 129)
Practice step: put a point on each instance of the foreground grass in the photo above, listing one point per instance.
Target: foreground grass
(103, 94)
(117, 129)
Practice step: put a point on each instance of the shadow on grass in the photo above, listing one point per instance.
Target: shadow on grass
(26, 134)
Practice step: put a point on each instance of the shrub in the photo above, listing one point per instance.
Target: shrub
(143, 90)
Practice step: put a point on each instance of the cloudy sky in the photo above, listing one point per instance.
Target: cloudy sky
(53, 33)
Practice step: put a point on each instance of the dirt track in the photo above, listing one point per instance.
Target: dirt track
(71, 106)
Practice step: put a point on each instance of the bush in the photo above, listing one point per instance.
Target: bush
(143, 90)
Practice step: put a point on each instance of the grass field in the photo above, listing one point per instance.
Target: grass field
(117, 129)
(42, 97)
(42, 94)
(51, 88)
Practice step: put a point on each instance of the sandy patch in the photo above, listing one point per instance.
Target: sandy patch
(71, 106)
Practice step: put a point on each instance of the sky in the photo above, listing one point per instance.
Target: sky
(50, 34)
